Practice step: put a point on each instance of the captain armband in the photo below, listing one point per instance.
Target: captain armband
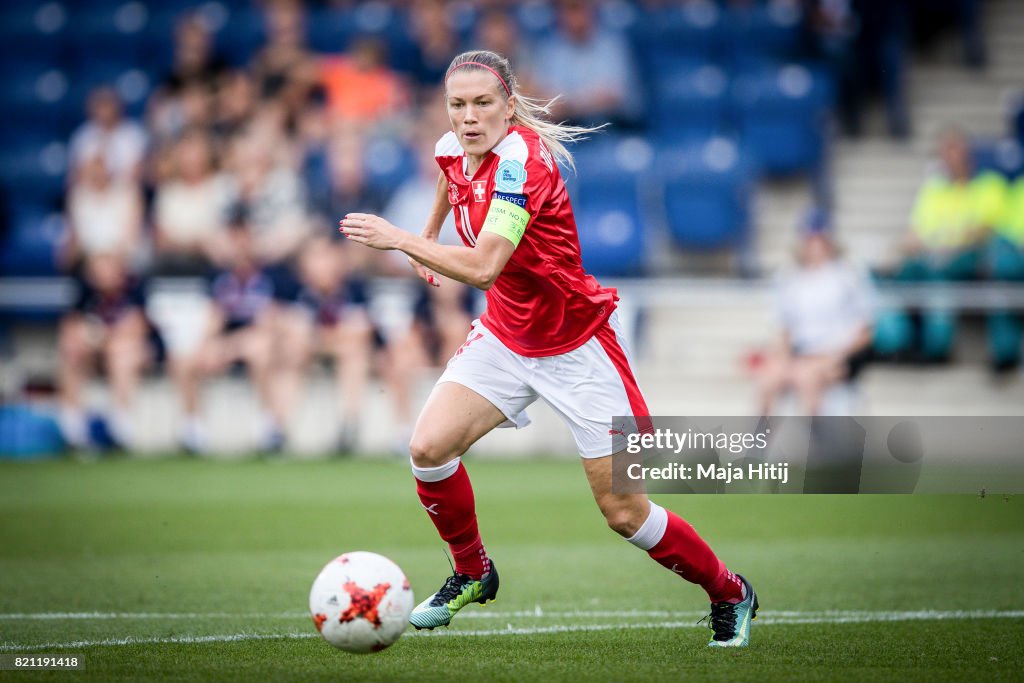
(507, 216)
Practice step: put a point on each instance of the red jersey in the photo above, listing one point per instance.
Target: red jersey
(543, 303)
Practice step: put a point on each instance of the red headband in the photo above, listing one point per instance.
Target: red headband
(482, 66)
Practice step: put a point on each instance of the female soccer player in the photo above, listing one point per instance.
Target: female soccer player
(550, 331)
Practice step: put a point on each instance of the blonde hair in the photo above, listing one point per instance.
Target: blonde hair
(529, 112)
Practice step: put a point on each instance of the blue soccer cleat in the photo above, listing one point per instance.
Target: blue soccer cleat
(731, 621)
(457, 592)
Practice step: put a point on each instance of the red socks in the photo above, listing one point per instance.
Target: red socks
(674, 544)
(447, 495)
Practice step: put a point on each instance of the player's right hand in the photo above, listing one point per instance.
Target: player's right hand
(424, 273)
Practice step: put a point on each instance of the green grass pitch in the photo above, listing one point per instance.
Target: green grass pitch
(192, 571)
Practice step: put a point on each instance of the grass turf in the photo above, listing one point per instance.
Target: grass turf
(231, 548)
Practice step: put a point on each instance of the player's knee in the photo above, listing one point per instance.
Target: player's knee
(623, 520)
(427, 451)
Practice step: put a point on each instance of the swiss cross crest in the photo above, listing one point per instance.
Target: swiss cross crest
(479, 190)
(453, 193)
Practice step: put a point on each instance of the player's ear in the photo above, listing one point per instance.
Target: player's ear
(510, 107)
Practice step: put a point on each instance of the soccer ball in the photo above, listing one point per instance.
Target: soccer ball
(361, 602)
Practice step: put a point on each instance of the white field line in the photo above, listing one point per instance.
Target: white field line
(779, 618)
(829, 616)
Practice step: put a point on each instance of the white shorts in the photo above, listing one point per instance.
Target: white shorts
(587, 387)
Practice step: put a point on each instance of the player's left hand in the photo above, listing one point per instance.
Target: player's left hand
(373, 231)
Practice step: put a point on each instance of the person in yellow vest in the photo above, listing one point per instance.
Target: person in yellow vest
(954, 213)
(1006, 263)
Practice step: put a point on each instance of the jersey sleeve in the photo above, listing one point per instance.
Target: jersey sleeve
(522, 184)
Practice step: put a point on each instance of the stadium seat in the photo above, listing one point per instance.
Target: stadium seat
(612, 241)
(33, 94)
(1002, 155)
(665, 35)
(781, 113)
(690, 101)
(31, 243)
(707, 191)
(109, 30)
(757, 31)
(606, 194)
(32, 170)
(33, 30)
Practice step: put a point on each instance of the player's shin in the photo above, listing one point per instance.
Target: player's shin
(675, 545)
(447, 496)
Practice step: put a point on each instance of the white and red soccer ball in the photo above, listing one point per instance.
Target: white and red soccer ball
(361, 602)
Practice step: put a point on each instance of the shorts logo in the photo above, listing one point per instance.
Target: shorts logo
(517, 199)
(479, 190)
(510, 177)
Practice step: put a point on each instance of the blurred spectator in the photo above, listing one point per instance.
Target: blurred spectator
(1006, 264)
(882, 45)
(235, 103)
(121, 143)
(360, 87)
(104, 215)
(184, 97)
(498, 31)
(826, 314)
(436, 41)
(240, 328)
(590, 66)
(955, 209)
(105, 324)
(271, 193)
(335, 173)
(954, 213)
(284, 69)
(189, 210)
(832, 27)
(195, 62)
(328, 317)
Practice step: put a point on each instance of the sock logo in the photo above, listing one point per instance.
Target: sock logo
(431, 509)
(677, 571)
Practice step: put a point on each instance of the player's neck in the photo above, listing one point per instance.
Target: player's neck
(473, 162)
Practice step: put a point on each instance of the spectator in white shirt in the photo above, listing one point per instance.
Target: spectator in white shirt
(826, 314)
(121, 143)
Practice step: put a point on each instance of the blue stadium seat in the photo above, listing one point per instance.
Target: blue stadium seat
(33, 29)
(782, 113)
(690, 101)
(663, 36)
(329, 30)
(109, 30)
(707, 190)
(1002, 155)
(31, 243)
(757, 31)
(612, 241)
(33, 93)
(605, 192)
(32, 171)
